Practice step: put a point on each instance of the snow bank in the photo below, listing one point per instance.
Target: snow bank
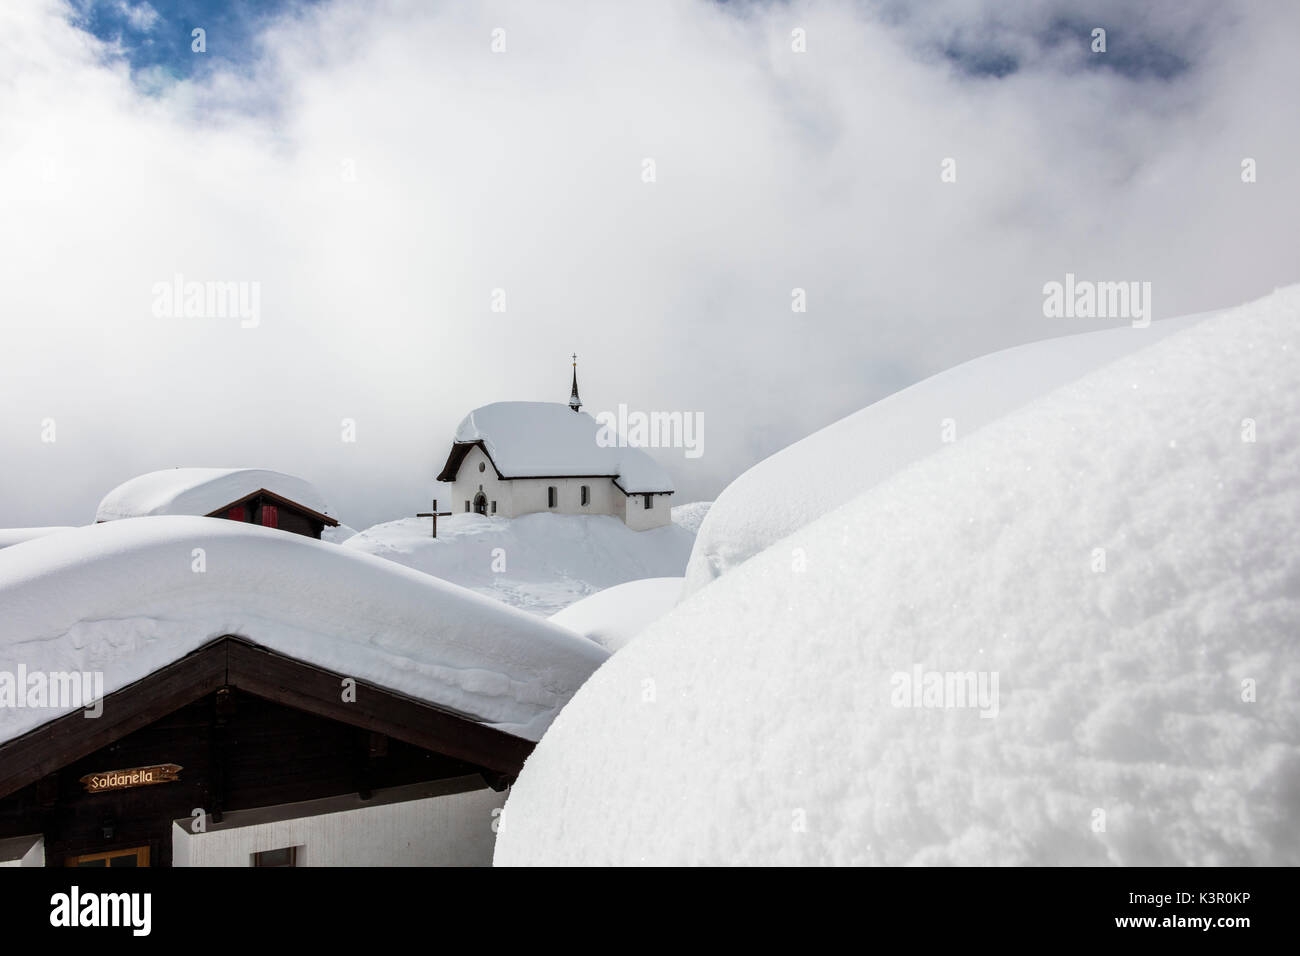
(544, 439)
(1148, 705)
(784, 492)
(124, 598)
(201, 491)
(691, 515)
(614, 616)
(11, 536)
(538, 562)
(338, 534)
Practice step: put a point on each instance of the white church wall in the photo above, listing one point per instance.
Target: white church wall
(455, 829)
(530, 495)
(641, 518)
(469, 478)
(521, 496)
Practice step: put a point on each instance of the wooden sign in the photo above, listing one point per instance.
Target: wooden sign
(134, 777)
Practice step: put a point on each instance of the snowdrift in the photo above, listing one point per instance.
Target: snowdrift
(12, 536)
(614, 616)
(538, 562)
(805, 480)
(1115, 561)
(128, 597)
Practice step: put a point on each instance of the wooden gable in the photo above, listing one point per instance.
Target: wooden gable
(290, 515)
(247, 728)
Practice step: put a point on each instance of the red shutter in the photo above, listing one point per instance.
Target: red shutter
(236, 513)
(271, 516)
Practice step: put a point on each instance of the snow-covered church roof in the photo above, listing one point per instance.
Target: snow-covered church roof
(127, 598)
(201, 491)
(550, 440)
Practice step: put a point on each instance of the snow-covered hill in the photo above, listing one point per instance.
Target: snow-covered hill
(804, 481)
(614, 616)
(11, 536)
(538, 562)
(1113, 566)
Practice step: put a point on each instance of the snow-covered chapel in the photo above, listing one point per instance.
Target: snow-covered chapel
(515, 458)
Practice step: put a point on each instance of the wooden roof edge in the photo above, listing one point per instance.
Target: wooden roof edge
(631, 493)
(459, 449)
(233, 660)
(462, 448)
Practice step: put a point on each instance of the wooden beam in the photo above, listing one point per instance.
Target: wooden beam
(280, 499)
(66, 739)
(236, 662)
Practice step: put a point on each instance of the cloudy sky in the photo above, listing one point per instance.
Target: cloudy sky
(377, 170)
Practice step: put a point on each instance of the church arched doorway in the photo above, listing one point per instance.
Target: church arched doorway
(480, 504)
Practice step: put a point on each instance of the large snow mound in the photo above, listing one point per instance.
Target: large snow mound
(545, 439)
(201, 491)
(614, 616)
(786, 491)
(125, 598)
(540, 563)
(1148, 706)
(12, 536)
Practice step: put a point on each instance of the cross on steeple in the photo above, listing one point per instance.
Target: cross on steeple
(574, 402)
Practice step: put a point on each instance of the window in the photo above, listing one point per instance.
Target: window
(550, 497)
(649, 501)
(136, 856)
(494, 507)
(482, 466)
(467, 506)
(586, 496)
(270, 516)
(236, 513)
(288, 856)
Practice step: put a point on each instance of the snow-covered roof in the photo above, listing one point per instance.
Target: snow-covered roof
(126, 598)
(550, 440)
(201, 491)
(1114, 565)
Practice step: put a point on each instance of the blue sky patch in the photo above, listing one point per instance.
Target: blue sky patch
(157, 35)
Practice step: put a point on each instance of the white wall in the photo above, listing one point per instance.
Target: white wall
(521, 496)
(468, 480)
(451, 830)
(530, 495)
(639, 518)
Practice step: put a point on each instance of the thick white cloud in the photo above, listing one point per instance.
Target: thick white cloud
(522, 170)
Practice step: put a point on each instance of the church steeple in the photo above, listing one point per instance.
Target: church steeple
(574, 402)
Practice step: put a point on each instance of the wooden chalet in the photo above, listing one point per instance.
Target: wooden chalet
(275, 511)
(231, 728)
(253, 495)
(344, 718)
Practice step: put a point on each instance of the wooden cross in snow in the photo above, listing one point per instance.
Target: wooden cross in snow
(435, 514)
